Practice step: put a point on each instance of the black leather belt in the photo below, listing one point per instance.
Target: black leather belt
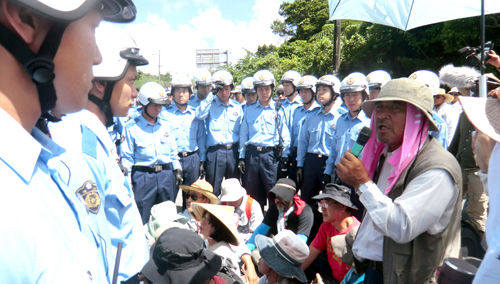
(185, 154)
(223, 146)
(260, 149)
(152, 169)
(318, 155)
(377, 265)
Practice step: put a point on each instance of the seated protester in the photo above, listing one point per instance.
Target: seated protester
(248, 209)
(179, 256)
(219, 229)
(282, 256)
(337, 208)
(199, 192)
(286, 211)
(161, 215)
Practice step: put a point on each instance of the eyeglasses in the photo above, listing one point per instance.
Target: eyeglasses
(325, 205)
(280, 94)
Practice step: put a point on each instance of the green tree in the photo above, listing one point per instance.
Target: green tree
(142, 78)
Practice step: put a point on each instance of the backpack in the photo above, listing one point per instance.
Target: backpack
(248, 207)
(227, 273)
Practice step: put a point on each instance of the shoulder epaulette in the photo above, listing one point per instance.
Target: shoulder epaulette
(89, 142)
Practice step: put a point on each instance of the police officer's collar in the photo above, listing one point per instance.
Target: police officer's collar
(361, 116)
(231, 102)
(174, 108)
(144, 122)
(271, 104)
(297, 99)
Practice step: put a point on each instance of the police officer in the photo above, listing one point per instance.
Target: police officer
(104, 187)
(289, 80)
(40, 41)
(376, 80)
(222, 118)
(315, 138)
(264, 140)
(150, 153)
(189, 132)
(280, 93)
(238, 96)
(248, 91)
(354, 90)
(431, 79)
(307, 91)
(203, 83)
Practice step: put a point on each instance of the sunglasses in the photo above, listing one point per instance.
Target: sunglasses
(193, 196)
(280, 94)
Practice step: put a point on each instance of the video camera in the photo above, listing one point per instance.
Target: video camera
(473, 54)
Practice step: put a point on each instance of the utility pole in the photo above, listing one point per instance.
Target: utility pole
(336, 47)
(159, 73)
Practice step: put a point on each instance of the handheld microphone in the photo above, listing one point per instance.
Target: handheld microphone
(363, 137)
(278, 105)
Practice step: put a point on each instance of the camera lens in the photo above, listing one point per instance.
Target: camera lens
(473, 60)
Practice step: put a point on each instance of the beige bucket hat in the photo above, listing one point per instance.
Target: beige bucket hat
(225, 214)
(447, 97)
(409, 91)
(204, 188)
(484, 114)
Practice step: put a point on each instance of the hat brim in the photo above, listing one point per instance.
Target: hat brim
(208, 194)
(368, 107)
(230, 197)
(484, 114)
(334, 197)
(192, 275)
(200, 208)
(282, 193)
(272, 257)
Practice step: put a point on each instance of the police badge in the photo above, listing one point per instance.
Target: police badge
(88, 193)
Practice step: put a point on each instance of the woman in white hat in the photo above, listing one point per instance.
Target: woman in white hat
(218, 226)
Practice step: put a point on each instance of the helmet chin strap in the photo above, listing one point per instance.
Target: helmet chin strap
(294, 90)
(332, 99)
(145, 110)
(104, 103)
(39, 66)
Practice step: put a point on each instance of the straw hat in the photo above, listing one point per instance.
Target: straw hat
(484, 114)
(447, 97)
(406, 90)
(204, 188)
(225, 214)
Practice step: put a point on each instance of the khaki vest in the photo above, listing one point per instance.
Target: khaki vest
(417, 261)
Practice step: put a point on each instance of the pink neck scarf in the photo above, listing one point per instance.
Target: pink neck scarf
(415, 134)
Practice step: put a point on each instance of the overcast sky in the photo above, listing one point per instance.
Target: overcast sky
(178, 27)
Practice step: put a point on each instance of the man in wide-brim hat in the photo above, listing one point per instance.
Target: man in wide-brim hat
(410, 187)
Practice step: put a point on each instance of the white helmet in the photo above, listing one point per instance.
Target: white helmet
(118, 51)
(377, 79)
(222, 78)
(330, 80)
(263, 78)
(354, 82)
(202, 77)
(152, 92)
(307, 82)
(430, 79)
(291, 77)
(247, 86)
(181, 81)
(40, 66)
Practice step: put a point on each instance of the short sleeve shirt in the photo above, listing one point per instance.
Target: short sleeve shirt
(322, 241)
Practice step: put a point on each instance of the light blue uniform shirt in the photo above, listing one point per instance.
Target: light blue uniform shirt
(149, 144)
(346, 134)
(85, 177)
(298, 115)
(290, 107)
(189, 132)
(41, 238)
(221, 121)
(442, 134)
(123, 217)
(258, 128)
(316, 134)
(194, 100)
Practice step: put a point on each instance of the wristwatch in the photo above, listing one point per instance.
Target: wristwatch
(364, 187)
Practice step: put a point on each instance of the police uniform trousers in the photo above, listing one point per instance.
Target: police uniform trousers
(151, 188)
(314, 166)
(292, 159)
(221, 163)
(260, 174)
(190, 164)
